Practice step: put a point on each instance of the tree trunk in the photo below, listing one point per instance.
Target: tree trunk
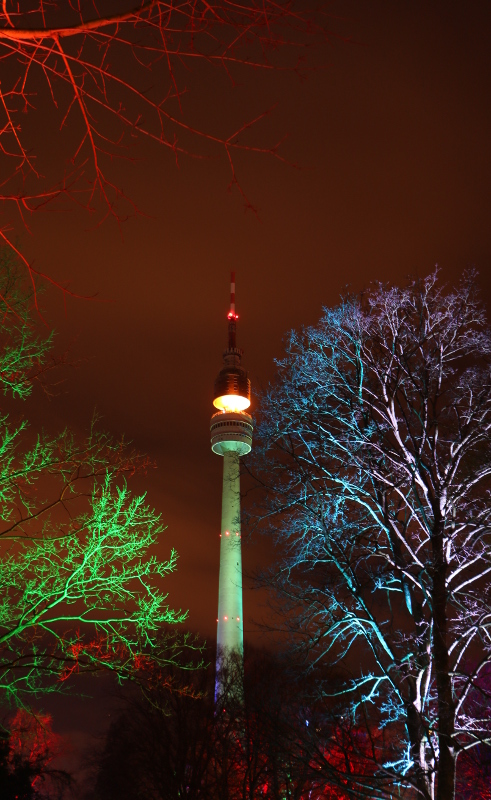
(446, 707)
(416, 737)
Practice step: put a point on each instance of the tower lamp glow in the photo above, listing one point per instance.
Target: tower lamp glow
(231, 437)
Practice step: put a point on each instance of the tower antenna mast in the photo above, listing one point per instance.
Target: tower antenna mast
(232, 316)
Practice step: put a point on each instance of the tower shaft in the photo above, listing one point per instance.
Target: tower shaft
(230, 636)
(231, 437)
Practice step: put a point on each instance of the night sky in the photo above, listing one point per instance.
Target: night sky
(392, 140)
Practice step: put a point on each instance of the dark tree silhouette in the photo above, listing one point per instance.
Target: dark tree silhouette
(183, 745)
(15, 779)
(376, 463)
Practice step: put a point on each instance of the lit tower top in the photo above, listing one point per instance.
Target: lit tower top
(231, 437)
(232, 386)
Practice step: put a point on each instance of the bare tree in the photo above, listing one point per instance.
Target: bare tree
(376, 460)
(80, 588)
(30, 747)
(82, 82)
(240, 748)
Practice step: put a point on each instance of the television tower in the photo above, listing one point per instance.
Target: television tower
(231, 437)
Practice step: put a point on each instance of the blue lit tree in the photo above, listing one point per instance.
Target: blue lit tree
(376, 463)
(80, 588)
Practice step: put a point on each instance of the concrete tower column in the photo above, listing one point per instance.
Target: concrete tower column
(230, 634)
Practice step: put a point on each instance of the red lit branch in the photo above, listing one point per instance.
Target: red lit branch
(91, 82)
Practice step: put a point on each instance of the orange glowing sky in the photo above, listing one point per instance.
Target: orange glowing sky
(392, 142)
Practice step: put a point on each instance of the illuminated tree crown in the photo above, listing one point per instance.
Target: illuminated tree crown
(79, 586)
(376, 462)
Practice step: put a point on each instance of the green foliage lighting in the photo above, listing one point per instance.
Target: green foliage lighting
(79, 588)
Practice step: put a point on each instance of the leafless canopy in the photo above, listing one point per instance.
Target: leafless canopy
(82, 82)
(377, 460)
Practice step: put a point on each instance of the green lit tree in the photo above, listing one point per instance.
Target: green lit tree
(79, 587)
